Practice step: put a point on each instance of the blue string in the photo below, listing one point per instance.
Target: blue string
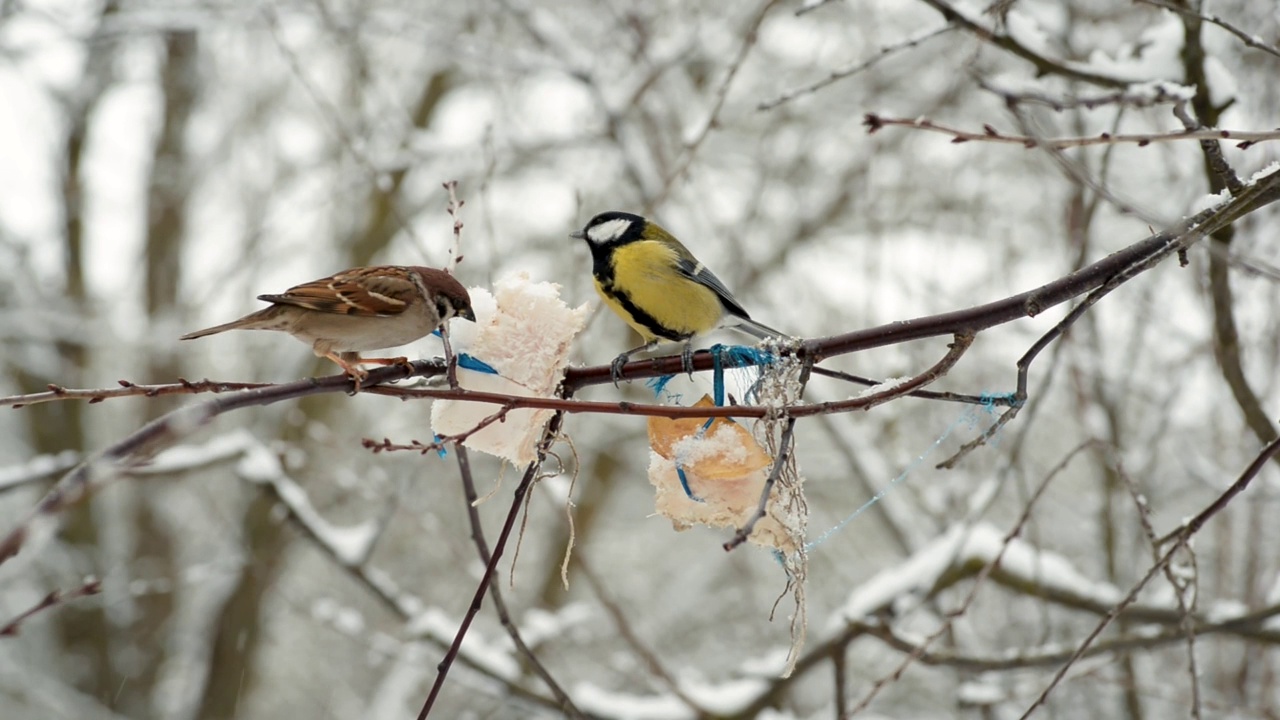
(659, 387)
(469, 362)
(472, 363)
(717, 376)
(658, 384)
(743, 356)
(968, 419)
(684, 483)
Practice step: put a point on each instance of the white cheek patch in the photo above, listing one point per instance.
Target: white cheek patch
(608, 231)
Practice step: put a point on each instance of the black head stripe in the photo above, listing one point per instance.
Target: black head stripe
(611, 229)
(605, 217)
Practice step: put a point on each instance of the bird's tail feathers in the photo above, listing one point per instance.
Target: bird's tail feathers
(211, 331)
(760, 331)
(264, 319)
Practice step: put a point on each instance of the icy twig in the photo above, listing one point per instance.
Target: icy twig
(440, 444)
(455, 212)
(628, 634)
(984, 400)
(1044, 65)
(1169, 243)
(722, 92)
(1248, 39)
(1184, 587)
(495, 592)
(786, 446)
(853, 69)
(1242, 138)
(1179, 538)
(126, 389)
(92, 586)
(1138, 96)
(986, 571)
(548, 436)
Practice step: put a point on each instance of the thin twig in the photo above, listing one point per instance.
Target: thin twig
(442, 442)
(1024, 363)
(722, 92)
(1006, 42)
(455, 212)
(495, 592)
(1248, 39)
(1180, 585)
(1141, 96)
(1179, 539)
(854, 68)
(986, 571)
(1000, 400)
(126, 389)
(92, 586)
(403, 605)
(784, 454)
(650, 659)
(1243, 138)
(548, 435)
(786, 446)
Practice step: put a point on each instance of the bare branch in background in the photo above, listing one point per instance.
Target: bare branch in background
(91, 586)
(1242, 138)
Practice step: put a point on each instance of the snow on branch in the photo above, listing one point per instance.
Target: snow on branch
(37, 468)
(1249, 39)
(961, 547)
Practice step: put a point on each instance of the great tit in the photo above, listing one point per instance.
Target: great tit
(652, 281)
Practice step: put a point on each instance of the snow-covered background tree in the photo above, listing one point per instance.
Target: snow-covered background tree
(161, 164)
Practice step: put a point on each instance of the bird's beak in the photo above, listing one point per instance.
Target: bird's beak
(578, 235)
(467, 314)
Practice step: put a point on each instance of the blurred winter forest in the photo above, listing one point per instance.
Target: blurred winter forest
(162, 163)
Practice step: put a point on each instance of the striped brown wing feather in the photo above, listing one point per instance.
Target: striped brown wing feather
(366, 292)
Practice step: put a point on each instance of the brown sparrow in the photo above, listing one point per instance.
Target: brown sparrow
(367, 308)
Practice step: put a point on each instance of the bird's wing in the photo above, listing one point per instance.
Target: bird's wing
(365, 292)
(689, 266)
(692, 268)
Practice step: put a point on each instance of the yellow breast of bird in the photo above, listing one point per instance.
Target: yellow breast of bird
(647, 291)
